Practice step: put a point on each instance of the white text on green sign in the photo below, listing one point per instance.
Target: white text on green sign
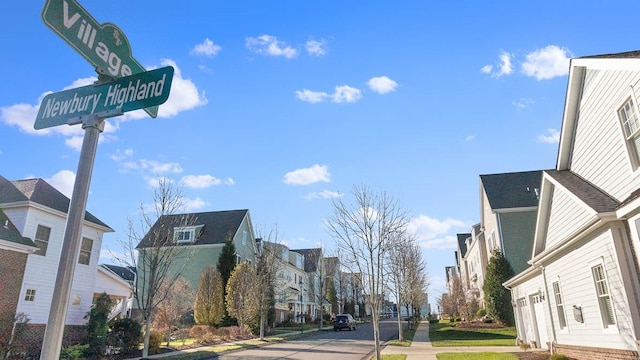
(150, 88)
(104, 46)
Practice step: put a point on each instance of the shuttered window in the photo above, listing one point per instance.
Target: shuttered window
(604, 298)
(562, 319)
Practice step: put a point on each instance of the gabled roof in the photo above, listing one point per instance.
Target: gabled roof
(592, 196)
(8, 232)
(126, 273)
(512, 190)
(311, 258)
(462, 243)
(40, 192)
(217, 226)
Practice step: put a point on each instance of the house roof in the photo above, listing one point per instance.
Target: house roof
(126, 273)
(512, 190)
(311, 257)
(462, 243)
(217, 226)
(8, 232)
(622, 55)
(39, 191)
(592, 196)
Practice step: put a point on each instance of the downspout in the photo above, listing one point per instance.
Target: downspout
(546, 293)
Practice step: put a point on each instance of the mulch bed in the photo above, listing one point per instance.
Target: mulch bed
(532, 355)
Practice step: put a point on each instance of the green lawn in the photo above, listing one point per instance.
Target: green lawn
(476, 356)
(408, 338)
(446, 334)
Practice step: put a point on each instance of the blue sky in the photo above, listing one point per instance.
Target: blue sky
(277, 107)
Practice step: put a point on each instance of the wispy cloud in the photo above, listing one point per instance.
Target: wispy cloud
(203, 181)
(552, 137)
(326, 194)
(469, 137)
(206, 48)
(315, 48)
(547, 63)
(271, 46)
(341, 94)
(382, 84)
(503, 67)
(307, 176)
(523, 103)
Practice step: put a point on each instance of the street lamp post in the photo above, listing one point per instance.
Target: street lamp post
(301, 317)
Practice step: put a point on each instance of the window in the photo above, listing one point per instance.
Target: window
(42, 239)
(85, 251)
(186, 235)
(562, 319)
(628, 115)
(604, 299)
(30, 295)
(244, 238)
(238, 259)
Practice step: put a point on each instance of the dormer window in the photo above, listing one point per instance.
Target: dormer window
(185, 235)
(628, 114)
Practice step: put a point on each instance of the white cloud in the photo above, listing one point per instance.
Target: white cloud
(206, 48)
(121, 155)
(429, 229)
(326, 194)
(63, 181)
(442, 243)
(270, 45)
(523, 103)
(382, 84)
(191, 205)
(504, 66)
(184, 96)
(311, 96)
(345, 93)
(547, 63)
(553, 137)
(341, 94)
(200, 181)
(469, 137)
(315, 47)
(152, 166)
(308, 176)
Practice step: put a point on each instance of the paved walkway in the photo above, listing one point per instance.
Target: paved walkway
(421, 348)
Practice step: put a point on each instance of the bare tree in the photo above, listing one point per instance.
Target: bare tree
(398, 259)
(362, 231)
(267, 267)
(178, 302)
(150, 249)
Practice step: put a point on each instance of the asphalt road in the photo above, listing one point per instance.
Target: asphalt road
(324, 345)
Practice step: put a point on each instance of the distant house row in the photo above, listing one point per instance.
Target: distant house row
(33, 219)
(572, 234)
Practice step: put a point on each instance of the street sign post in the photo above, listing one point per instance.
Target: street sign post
(138, 91)
(104, 46)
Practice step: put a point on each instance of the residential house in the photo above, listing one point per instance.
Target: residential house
(580, 294)
(116, 281)
(39, 212)
(461, 263)
(315, 288)
(202, 236)
(290, 297)
(475, 260)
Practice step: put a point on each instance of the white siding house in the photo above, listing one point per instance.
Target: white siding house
(39, 212)
(584, 261)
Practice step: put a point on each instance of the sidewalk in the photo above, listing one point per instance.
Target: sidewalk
(421, 348)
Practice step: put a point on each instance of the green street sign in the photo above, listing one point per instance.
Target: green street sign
(105, 46)
(138, 91)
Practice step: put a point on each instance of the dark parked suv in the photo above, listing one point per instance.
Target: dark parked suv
(344, 321)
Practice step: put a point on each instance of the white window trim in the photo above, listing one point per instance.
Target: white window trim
(564, 330)
(610, 329)
(634, 157)
(185, 229)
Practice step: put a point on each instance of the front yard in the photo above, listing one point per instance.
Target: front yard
(445, 334)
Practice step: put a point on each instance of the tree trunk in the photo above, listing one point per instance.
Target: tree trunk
(147, 334)
(263, 320)
(376, 333)
(400, 334)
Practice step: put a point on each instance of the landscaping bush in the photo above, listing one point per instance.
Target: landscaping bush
(125, 334)
(73, 352)
(199, 331)
(155, 339)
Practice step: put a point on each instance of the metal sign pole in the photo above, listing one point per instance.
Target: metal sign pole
(52, 343)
